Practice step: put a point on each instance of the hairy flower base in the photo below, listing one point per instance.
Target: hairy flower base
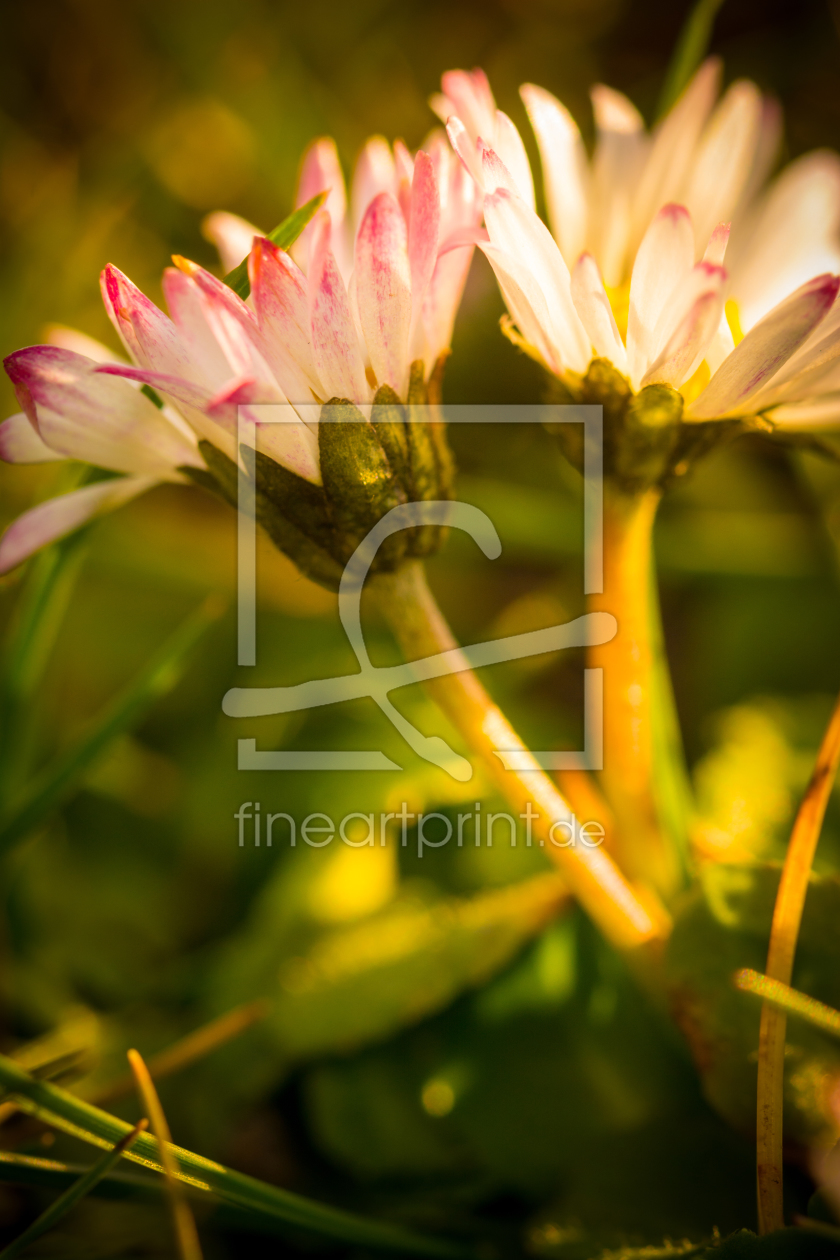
(367, 468)
(647, 442)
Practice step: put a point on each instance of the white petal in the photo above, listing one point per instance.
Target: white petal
(620, 151)
(526, 302)
(508, 144)
(818, 413)
(724, 159)
(57, 517)
(565, 169)
(20, 442)
(593, 307)
(664, 259)
(80, 343)
(283, 436)
(673, 146)
(517, 230)
(793, 236)
(764, 350)
(231, 235)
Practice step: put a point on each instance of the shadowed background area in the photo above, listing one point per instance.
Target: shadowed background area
(121, 126)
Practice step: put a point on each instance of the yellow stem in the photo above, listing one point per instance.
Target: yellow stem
(186, 1234)
(592, 876)
(627, 780)
(784, 932)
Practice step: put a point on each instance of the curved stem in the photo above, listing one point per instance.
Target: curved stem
(642, 760)
(592, 876)
(784, 932)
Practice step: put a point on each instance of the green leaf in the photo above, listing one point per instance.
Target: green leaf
(363, 983)
(47, 591)
(689, 52)
(60, 778)
(61, 1110)
(284, 236)
(68, 1200)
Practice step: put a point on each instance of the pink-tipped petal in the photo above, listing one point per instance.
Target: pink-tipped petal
(664, 258)
(231, 235)
(83, 414)
(593, 307)
(494, 173)
(383, 280)
(716, 249)
(423, 226)
(460, 140)
(764, 350)
(565, 169)
(149, 337)
(470, 95)
(686, 347)
(279, 290)
(20, 442)
(56, 518)
(321, 170)
(375, 173)
(335, 344)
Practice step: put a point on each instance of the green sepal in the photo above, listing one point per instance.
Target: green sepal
(303, 504)
(646, 440)
(221, 477)
(284, 236)
(426, 468)
(292, 537)
(388, 420)
(358, 480)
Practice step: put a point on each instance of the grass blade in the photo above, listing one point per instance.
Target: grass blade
(46, 593)
(284, 236)
(789, 1000)
(784, 932)
(59, 779)
(71, 1196)
(263, 1205)
(183, 1221)
(690, 50)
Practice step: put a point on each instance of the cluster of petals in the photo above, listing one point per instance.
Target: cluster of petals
(668, 253)
(372, 294)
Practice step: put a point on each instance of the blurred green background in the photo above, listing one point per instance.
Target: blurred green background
(398, 1084)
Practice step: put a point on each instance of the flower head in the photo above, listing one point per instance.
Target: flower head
(667, 255)
(370, 309)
